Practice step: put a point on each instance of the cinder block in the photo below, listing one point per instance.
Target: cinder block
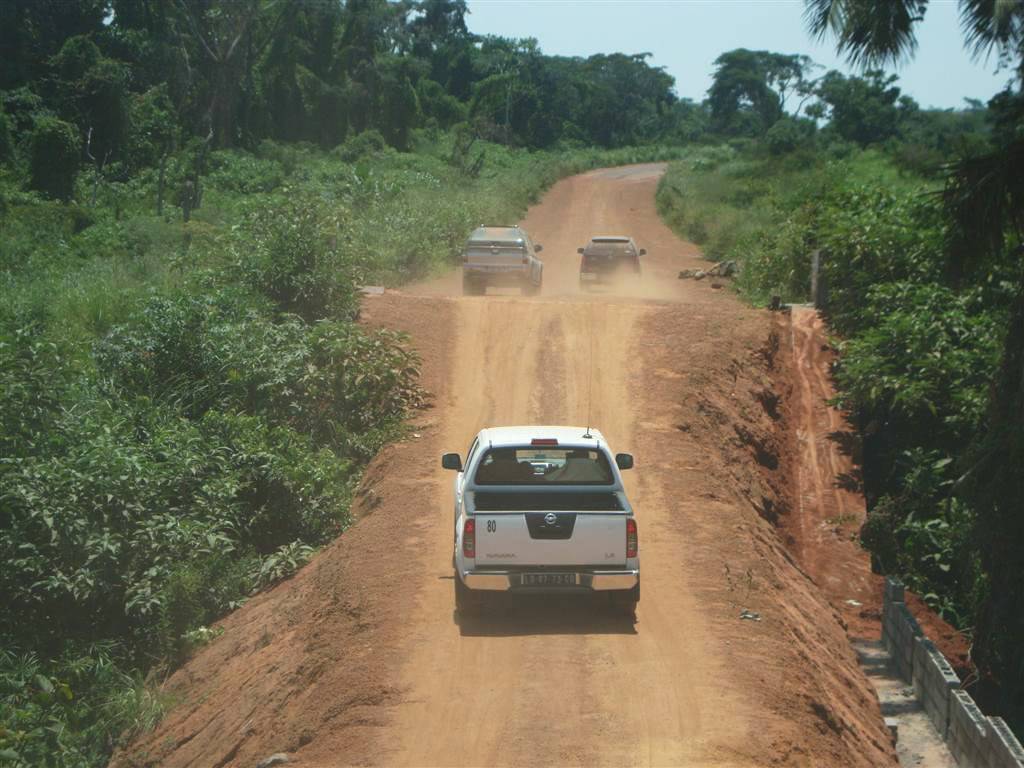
(904, 632)
(968, 731)
(1005, 751)
(890, 630)
(893, 591)
(934, 679)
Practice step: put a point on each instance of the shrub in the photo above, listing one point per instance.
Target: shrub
(869, 235)
(333, 381)
(287, 255)
(55, 148)
(926, 360)
(361, 145)
(62, 714)
(153, 131)
(6, 142)
(789, 134)
(244, 173)
(34, 377)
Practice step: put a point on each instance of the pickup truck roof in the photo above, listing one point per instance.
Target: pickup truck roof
(499, 437)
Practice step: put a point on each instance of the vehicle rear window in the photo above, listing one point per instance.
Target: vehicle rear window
(544, 466)
(608, 249)
(487, 248)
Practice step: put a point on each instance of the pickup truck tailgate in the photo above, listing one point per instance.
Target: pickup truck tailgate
(494, 258)
(554, 538)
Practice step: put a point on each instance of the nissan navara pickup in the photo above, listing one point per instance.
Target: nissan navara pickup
(542, 509)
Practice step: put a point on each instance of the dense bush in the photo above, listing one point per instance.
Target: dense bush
(361, 145)
(918, 345)
(926, 360)
(290, 258)
(869, 236)
(55, 148)
(69, 712)
(6, 140)
(789, 134)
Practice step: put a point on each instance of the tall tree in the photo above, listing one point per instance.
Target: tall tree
(865, 109)
(229, 39)
(31, 31)
(749, 89)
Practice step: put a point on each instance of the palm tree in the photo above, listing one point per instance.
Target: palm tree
(984, 198)
(879, 32)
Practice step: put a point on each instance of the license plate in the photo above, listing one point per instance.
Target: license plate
(549, 580)
(588, 276)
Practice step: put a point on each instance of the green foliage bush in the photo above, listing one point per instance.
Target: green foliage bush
(63, 714)
(917, 350)
(55, 148)
(788, 134)
(153, 131)
(288, 257)
(926, 359)
(361, 145)
(244, 173)
(6, 140)
(870, 236)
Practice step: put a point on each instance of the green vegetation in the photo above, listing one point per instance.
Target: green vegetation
(187, 406)
(918, 347)
(190, 196)
(916, 215)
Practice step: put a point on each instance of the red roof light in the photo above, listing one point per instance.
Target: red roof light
(544, 441)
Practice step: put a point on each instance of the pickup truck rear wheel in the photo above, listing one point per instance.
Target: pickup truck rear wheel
(472, 287)
(467, 602)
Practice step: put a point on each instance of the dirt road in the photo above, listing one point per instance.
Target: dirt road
(360, 659)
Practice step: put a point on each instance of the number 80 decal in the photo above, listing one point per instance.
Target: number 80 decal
(492, 526)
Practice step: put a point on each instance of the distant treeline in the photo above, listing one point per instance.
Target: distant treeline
(123, 84)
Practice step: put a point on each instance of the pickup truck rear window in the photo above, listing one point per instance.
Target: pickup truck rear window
(546, 501)
(478, 250)
(544, 466)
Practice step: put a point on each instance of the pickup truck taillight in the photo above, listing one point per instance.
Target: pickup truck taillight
(631, 538)
(469, 538)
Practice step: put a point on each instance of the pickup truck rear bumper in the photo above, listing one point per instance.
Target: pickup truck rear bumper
(595, 581)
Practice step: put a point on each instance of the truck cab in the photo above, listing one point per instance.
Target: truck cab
(543, 509)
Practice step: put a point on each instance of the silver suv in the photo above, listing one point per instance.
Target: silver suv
(501, 255)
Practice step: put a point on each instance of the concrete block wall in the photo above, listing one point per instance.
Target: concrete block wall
(1006, 750)
(900, 630)
(974, 740)
(968, 731)
(934, 680)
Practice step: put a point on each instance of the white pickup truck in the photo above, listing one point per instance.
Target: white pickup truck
(543, 509)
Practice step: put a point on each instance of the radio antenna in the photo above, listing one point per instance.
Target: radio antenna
(590, 365)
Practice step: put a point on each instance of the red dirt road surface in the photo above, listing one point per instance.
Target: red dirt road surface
(360, 660)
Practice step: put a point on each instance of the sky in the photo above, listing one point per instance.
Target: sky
(686, 36)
